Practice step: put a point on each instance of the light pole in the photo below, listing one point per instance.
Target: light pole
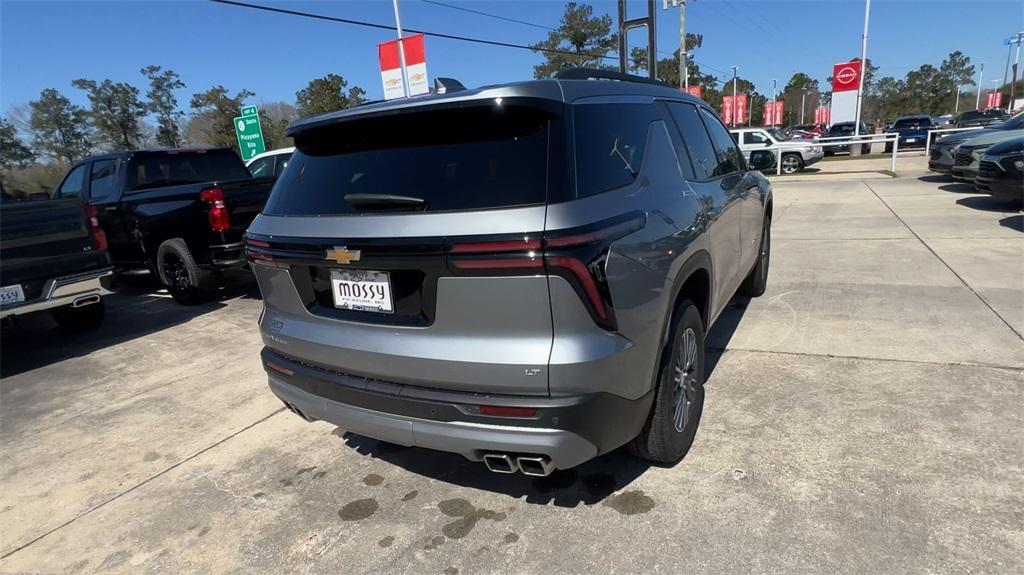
(803, 99)
(958, 90)
(863, 66)
(981, 74)
(995, 88)
(733, 116)
(401, 51)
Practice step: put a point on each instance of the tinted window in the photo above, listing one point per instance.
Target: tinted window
(477, 157)
(755, 138)
(102, 180)
(157, 169)
(282, 162)
(726, 153)
(74, 183)
(698, 143)
(262, 168)
(610, 141)
(682, 156)
(912, 123)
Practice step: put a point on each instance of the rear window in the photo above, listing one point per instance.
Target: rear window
(470, 158)
(154, 170)
(912, 123)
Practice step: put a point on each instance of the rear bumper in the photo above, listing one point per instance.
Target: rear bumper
(569, 430)
(66, 290)
(226, 256)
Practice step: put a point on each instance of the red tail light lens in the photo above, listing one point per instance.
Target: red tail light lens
(578, 254)
(219, 219)
(99, 237)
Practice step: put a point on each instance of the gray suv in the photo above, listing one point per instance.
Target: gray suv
(523, 274)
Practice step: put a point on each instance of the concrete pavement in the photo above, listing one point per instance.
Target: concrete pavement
(861, 417)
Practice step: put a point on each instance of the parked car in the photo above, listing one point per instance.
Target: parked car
(972, 118)
(912, 131)
(967, 154)
(944, 120)
(804, 131)
(531, 289)
(1001, 170)
(793, 161)
(53, 257)
(180, 213)
(269, 164)
(845, 130)
(940, 158)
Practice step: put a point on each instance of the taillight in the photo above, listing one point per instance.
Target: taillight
(99, 237)
(219, 219)
(578, 255)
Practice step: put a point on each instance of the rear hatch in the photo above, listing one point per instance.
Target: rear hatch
(380, 250)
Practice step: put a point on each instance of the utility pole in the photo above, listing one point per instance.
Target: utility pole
(684, 73)
(775, 98)
(958, 89)
(995, 88)
(401, 51)
(734, 122)
(981, 74)
(803, 100)
(863, 67)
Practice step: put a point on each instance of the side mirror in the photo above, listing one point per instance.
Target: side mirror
(767, 144)
(762, 160)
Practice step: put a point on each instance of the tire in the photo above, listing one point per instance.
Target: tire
(830, 152)
(756, 281)
(669, 432)
(75, 319)
(865, 149)
(888, 148)
(792, 163)
(188, 283)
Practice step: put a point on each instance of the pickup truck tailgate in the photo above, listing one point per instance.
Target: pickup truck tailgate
(245, 200)
(40, 240)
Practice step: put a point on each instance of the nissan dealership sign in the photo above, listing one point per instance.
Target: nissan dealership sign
(845, 82)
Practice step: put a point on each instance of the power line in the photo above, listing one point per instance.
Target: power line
(392, 28)
(489, 15)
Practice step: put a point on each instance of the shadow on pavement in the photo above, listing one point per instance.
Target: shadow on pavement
(959, 188)
(588, 484)
(988, 204)
(138, 308)
(1013, 222)
(936, 179)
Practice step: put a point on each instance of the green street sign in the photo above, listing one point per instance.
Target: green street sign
(249, 111)
(250, 136)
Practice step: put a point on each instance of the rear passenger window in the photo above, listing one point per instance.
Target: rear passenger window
(74, 185)
(610, 142)
(103, 172)
(726, 152)
(698, 143)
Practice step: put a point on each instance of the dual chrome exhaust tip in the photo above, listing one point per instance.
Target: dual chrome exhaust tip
(535, 465)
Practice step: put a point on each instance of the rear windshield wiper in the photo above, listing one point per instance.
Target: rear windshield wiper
(385, 202)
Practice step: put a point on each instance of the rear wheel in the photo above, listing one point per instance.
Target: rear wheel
(865, 149)
(792, 163)
(80, 318)
(187, 282)
(756, 281)
(679, 397)
(888, 148)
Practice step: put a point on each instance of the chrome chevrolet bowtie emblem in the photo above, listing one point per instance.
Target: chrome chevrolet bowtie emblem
(342, 255)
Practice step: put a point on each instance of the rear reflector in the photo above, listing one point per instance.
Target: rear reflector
(279, 369)
(508, 411)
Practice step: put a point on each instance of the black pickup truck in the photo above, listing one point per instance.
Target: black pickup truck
(180, 213)
(52, 258)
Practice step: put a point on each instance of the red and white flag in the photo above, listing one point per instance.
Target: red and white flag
(415, 66)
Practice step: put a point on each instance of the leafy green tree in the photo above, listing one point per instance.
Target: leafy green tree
(59, 129)
(581, 41)
(957, 69)
(215, 111)
(13, 152)
(327, 94)
(274, 119)
(794, 96)
(162, 102)
(115, 111)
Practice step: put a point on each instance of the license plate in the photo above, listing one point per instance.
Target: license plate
(11, 294)
(912, 139)
(362, 290)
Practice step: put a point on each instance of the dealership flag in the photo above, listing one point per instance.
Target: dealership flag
(728, 109)
(415, 65)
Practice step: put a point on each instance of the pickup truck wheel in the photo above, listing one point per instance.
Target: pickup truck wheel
(188, 283)
(888, 148)
(679, 397)
(80, 318)
(756, 281)
(792, 163)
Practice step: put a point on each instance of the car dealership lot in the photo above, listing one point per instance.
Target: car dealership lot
(863, 417)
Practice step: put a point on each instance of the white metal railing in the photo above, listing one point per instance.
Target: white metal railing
(928, 138)
(792, 145)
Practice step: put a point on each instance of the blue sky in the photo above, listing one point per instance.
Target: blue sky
(48, 44)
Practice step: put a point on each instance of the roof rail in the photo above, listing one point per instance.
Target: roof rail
(597, 74)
